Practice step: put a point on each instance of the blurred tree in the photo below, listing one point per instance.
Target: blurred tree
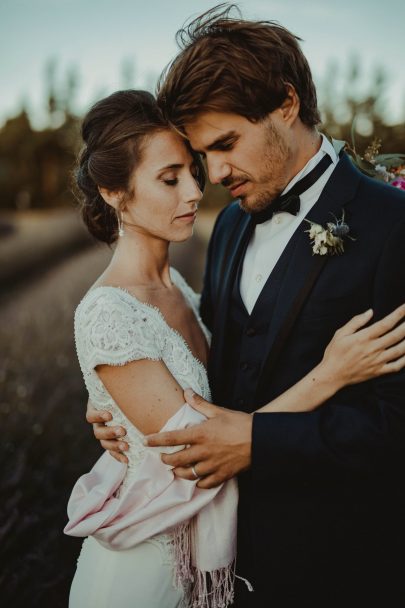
(72, 82)
(35, 166)
(16, 150)
(53, 95)
(127, 79)
(363, 107)
(50, 70)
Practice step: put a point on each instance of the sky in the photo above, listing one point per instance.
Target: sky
(96, 36)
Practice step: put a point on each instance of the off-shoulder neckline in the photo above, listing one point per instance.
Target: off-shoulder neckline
(156, 310)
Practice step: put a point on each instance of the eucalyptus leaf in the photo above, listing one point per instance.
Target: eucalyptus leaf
(365, 166)
(390, 160)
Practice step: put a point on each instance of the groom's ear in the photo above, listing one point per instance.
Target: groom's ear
(290, 107)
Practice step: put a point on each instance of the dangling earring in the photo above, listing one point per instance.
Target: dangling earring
(120, 224)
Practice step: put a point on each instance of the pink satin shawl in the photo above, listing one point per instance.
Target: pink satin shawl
(154, 501)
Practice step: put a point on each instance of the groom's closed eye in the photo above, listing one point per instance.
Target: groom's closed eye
(223, 144)
(219, 147)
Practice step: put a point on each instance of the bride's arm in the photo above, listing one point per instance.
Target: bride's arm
(354, 355)
(145, 391)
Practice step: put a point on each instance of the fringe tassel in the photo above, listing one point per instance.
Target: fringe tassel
(213, 589)
(201, 589)
(182, 556)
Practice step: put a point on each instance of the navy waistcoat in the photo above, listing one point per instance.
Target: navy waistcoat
(247, 337)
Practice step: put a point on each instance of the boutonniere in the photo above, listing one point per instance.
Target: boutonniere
(329, 240)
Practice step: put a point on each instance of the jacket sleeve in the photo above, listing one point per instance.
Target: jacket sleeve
(364, 437)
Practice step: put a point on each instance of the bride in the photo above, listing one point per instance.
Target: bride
(155, 540)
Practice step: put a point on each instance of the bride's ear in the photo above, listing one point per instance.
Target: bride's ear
(112, 197)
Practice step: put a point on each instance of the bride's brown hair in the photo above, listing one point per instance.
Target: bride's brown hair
(114, 132)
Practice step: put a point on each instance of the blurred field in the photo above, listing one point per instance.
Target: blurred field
(33, 240)
(45, 442)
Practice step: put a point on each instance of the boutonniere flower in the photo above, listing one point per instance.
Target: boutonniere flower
(329, 240)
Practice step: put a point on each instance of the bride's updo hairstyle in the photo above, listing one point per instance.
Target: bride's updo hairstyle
(114, 132)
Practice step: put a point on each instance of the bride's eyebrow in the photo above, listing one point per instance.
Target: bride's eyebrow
(170, 167)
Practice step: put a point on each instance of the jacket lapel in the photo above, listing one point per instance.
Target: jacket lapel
(303, 267)
(234, 251)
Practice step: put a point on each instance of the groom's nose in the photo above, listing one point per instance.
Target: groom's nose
(218, 170)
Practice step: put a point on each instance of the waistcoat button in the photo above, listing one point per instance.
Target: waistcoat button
(250, 331)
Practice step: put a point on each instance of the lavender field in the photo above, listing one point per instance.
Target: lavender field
(45, 443)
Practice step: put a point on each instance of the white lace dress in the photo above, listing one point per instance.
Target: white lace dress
(113, 327)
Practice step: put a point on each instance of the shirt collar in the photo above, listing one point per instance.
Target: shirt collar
(326, 148)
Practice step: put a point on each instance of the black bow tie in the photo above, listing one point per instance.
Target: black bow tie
(290, 202)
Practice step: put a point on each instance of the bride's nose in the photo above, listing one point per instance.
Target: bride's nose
(192, 193)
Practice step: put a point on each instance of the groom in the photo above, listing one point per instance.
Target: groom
(321, 493)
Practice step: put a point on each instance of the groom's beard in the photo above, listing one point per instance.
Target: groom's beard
(273, 176)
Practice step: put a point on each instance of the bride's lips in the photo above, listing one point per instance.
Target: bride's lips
(237, 189)
(187, 217)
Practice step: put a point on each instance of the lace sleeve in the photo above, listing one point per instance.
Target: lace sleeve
(113, 329)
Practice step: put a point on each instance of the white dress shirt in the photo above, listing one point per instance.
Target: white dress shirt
(270, 238)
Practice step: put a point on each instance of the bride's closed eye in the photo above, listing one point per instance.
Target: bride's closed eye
(171, 182)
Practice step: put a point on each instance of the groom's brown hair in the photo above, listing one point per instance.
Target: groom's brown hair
(227, 64)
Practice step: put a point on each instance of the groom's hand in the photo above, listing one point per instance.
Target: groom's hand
(219, 448)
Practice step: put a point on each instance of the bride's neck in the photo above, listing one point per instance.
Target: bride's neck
(140, 260)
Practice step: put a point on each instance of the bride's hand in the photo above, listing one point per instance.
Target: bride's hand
(110, 437)
(355, 355)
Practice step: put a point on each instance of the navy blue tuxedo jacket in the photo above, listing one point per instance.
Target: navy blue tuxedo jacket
(321, 509)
